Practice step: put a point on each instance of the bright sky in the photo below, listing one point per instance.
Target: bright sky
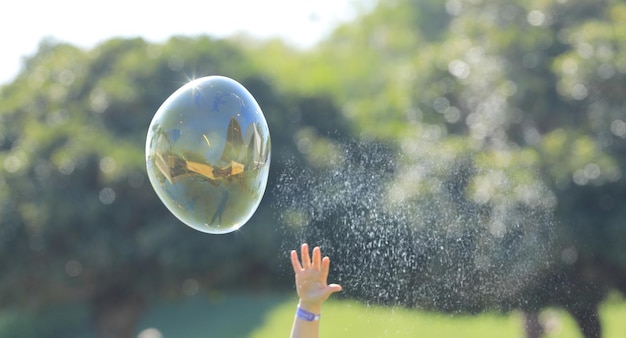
(24, 23)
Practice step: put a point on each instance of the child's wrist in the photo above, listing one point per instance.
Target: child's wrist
(313, 307)
(306, 315)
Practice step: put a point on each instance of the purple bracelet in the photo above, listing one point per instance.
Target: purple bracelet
(306, 315)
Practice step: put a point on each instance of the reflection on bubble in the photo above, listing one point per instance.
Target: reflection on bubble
(208, 154)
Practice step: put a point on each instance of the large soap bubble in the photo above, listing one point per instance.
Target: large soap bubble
(208, 154)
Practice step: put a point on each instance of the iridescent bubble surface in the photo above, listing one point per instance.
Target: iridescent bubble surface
(208, 154)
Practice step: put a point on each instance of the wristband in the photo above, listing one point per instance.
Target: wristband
(306, 315)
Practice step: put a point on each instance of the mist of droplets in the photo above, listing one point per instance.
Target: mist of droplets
(434, 249)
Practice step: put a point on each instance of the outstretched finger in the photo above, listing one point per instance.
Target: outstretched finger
(297, 267)
(317, 258)
(325, 268)
(332, 288)
(306, 259)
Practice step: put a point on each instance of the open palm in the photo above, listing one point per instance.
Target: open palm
(311, 276)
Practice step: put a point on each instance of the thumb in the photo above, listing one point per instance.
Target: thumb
(332, 288)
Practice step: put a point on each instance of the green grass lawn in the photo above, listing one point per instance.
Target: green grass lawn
(268, 316)
(350, 319)
(271, 315)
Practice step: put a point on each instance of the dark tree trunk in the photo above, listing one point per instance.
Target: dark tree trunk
(532, 325)
(116, 311)
(588, 320)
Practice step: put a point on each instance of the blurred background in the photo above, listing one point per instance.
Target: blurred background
(461, 162)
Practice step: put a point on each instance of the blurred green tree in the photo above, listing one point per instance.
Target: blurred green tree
(80, 221)
(500, 110)
(530, 93)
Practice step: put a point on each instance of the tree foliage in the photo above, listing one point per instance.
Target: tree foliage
(494, 115)
(79, 218)
(528, 93)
